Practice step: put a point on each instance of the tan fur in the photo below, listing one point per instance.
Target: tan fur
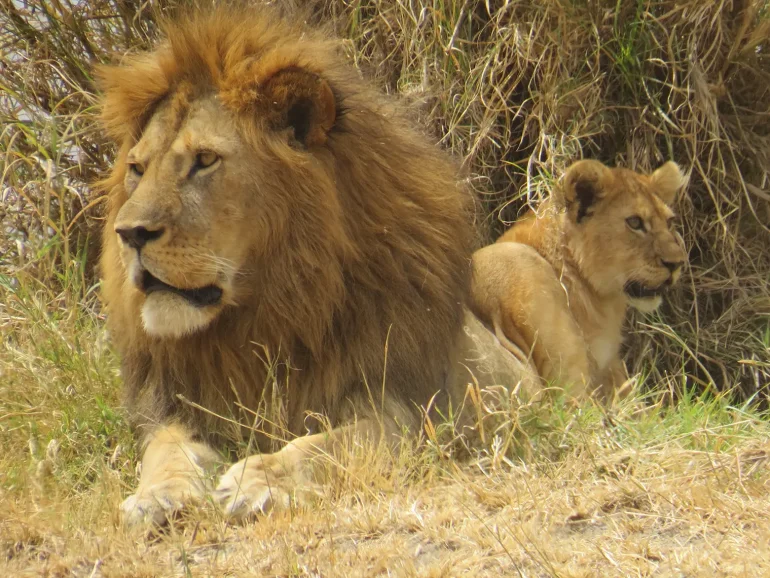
(254, 161)
(554, 285)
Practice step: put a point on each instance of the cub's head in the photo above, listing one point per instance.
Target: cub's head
(618, 226)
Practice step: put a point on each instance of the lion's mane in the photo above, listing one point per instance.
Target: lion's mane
(369, 240)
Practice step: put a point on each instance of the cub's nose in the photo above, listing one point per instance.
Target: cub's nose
(138, 237)
(672, 265)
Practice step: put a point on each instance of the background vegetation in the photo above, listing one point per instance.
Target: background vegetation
(517, 89)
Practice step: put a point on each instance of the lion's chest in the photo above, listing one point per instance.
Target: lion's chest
(604, 348)
(603, 333)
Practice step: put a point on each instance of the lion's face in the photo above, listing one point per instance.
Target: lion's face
(207, 193)
(619, 226)
(186, 223)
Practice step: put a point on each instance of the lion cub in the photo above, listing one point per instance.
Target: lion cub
(555, 286)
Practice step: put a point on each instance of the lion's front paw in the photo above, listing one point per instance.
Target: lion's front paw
(159, 502)
(261, 483)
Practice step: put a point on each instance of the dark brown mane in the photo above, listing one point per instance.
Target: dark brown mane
(367, 240)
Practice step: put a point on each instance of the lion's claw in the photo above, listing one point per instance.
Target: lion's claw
(256, 485)
(139, 510)
(160, 503)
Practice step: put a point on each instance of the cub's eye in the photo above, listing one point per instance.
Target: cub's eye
(136, 168)
(635, 223)
(205, 159)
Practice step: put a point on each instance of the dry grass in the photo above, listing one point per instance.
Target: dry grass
(521, 89)
(645, 490)
(518, 89)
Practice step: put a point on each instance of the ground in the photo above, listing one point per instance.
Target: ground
(647, 488)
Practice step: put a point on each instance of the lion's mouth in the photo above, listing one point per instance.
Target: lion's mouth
(199, 297)
(637, 290)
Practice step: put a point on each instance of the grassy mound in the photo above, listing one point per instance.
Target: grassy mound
(518, 89)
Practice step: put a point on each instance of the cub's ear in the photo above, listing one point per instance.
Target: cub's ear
(667, 181)
(301, 101)
(584, 184)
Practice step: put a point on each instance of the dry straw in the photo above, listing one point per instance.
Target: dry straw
(518, 89)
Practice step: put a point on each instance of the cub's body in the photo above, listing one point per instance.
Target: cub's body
(556, 286)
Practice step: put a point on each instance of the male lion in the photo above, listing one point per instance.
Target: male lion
(279, 241)
(556, 285)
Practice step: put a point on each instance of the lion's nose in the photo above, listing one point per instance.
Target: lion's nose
(138, 237)
(672, 265)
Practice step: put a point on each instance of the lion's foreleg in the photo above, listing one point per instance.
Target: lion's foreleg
(614, 381)
(174, 473)
(262, 482)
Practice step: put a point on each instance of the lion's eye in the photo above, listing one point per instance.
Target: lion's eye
(205, 159)
(136, 168)
(636, 223)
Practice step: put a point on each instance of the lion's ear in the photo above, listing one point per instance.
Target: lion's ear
(582, 187)
(301, 101)
(667, 181)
